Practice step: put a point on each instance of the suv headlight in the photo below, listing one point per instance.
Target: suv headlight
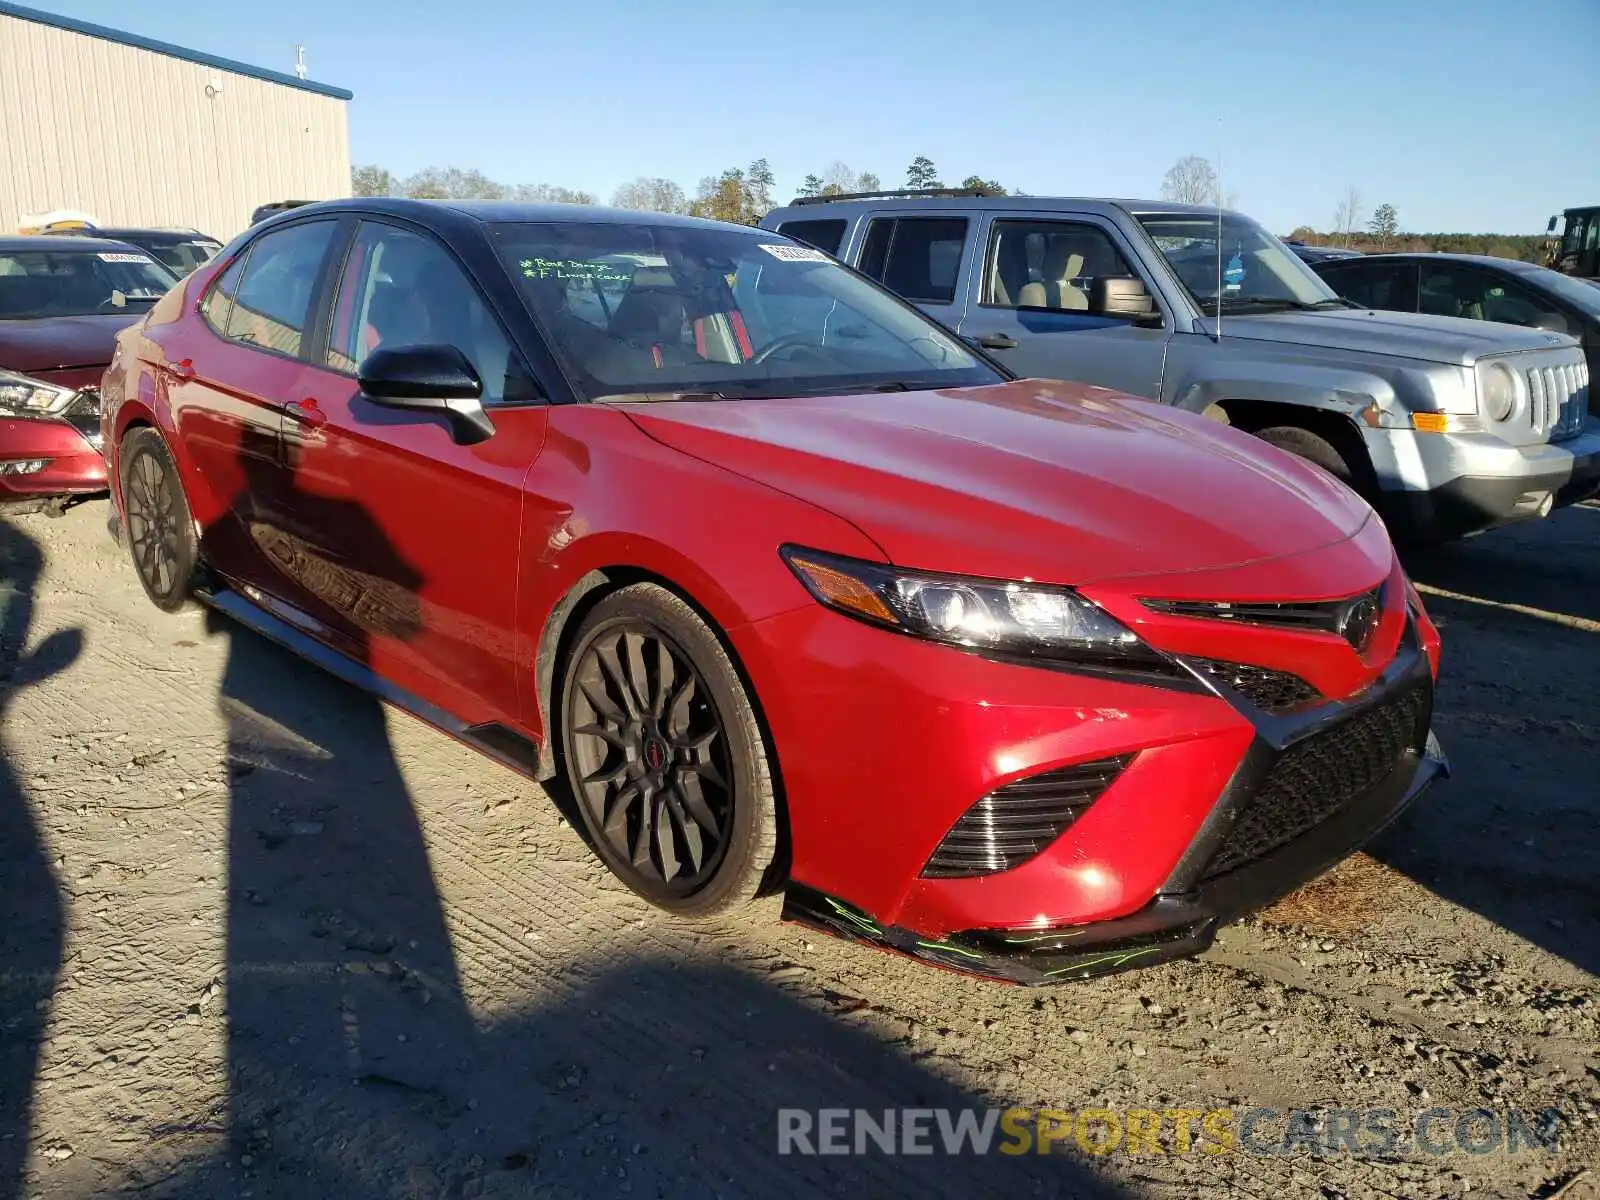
(24, 397)
(1498, 389)
(1025, 621)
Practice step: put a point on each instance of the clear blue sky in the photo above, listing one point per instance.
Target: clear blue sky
(1466, 115)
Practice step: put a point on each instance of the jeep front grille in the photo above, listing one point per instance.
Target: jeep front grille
(1315, 778)
(1558, 399)
(1269, 690)
(1012, 824)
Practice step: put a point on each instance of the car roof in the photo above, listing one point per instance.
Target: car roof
(1011, 204)
(1516, 266)
(487, 212)
(57, 243)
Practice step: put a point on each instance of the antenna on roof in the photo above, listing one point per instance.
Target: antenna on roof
(1219, 229)
(300, 61)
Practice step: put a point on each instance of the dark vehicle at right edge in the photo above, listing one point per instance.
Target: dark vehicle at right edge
(1475, 286)
(1447, 426)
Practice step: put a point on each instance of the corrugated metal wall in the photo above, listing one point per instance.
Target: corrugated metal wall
(136, 138)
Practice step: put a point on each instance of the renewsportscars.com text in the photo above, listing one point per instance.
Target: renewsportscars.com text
(1371, 1132)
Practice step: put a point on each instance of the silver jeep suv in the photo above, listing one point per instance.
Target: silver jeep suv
(1448, 426)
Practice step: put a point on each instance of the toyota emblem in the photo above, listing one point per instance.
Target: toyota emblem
(1358, 621)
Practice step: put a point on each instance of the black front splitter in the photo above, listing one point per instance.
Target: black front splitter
(1169, 927)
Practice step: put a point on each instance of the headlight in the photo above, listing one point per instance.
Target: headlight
(1015, 620)
(1499, 392)
(24, 397)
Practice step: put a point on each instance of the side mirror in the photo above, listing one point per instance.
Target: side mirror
(436, 379)
(1125, 298)
(1551, 228)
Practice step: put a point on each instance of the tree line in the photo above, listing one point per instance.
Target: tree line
(1195, 179)
(742, 195)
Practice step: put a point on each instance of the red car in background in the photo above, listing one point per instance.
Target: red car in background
(783, 583)
(62, 302)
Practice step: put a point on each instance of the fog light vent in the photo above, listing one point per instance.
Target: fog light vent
(1014, 823)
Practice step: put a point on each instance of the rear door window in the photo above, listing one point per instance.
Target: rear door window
(272, 308)
(918, 257)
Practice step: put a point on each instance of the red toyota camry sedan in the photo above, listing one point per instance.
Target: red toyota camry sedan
(788, 586)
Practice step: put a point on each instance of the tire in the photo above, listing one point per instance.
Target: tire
(1313, 448)
(157, 524)
(664, 756)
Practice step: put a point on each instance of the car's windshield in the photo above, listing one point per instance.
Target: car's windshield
(651, 309)
(35, 284)
(181, 255)
(1255, 269)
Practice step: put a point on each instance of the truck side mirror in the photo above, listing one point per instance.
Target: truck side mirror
(1551, 228)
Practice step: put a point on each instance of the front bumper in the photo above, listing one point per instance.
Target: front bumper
(1451, 485)
(73, 465)
(1171, 926)
(1212, 829)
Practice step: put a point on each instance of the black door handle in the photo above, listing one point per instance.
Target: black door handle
(997, 341)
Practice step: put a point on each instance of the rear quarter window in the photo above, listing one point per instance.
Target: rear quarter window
(827, 235)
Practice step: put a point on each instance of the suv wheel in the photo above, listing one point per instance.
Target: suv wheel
(666, 762)
(1314, 448)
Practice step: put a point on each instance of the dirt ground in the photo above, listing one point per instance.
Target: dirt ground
(260, 937)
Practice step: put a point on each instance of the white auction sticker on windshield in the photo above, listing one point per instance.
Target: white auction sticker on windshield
(793, 253)
(122, 258)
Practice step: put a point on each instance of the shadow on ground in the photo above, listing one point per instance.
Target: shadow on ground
(1515, 834)
(356, 1069)
(31, 933)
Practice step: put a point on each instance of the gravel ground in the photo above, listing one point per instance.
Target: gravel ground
(261, 937)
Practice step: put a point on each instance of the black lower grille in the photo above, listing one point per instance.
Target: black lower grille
(1315, 778)
(1014, 823)
(1269, 690)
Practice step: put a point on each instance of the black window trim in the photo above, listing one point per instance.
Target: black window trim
(968, 221)
(991, 247)
(356, 220)
(314, 333)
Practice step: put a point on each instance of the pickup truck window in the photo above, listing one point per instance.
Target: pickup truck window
(824, 235)
(1048, 264)
(918, 257)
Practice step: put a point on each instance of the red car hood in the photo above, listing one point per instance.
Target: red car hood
(1027, 480)
(59, 342)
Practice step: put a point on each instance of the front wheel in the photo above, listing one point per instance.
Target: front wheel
(1313, 448)
(158, 524)
(665, 758)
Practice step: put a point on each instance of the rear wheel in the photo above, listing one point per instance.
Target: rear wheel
(662, 750)
(158, 525)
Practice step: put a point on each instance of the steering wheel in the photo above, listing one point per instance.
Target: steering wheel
(788, 341)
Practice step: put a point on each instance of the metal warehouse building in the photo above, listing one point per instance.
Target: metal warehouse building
(136, 132)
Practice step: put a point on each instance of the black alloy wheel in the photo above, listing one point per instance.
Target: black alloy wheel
(157, 522)
(664, 755)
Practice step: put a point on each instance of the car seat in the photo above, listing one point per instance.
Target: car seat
(1062, 264)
